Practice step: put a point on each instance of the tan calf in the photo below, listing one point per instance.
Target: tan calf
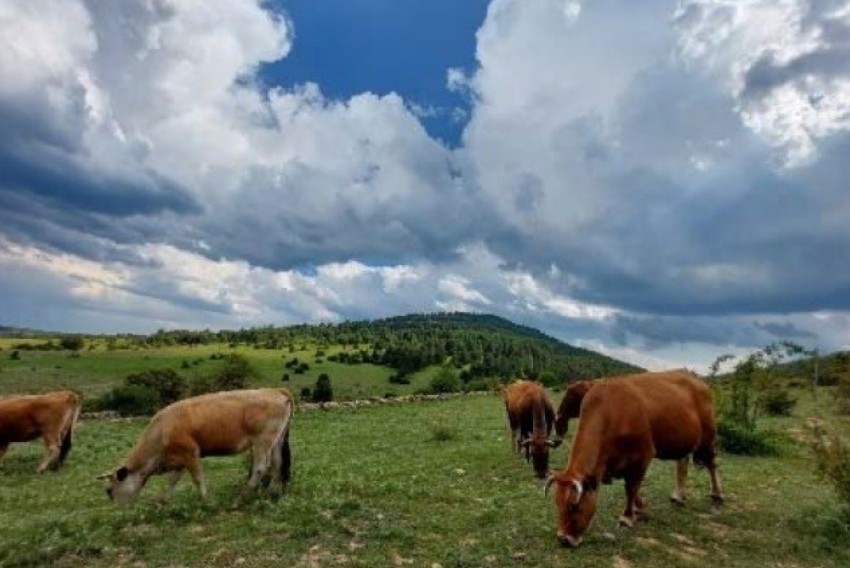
(49, 416)
(217, 424)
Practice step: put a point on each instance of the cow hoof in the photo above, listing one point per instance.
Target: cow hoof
(717, 499)
(626, 522)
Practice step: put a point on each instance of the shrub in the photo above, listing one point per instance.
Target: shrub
(15, 355)
(444, 381)
(480, 385)
(131, 400)
(399, 379)
(185, 364)
(72, 342)
(305, 393)
(233, 374)
(832, 457)
(169, 386)
(323, 392)
(737, 439)
(777, 401)
(285, 377)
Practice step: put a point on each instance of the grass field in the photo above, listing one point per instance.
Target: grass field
(371, 487)
(94, 372)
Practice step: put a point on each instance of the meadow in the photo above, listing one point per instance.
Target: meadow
(411, 484)
(94, 371)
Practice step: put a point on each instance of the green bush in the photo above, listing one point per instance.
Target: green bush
(72, 342)
(446, 380)
(737, 439)
(442, 432)
(169, 386)
(131, 400)
(399, 379)
(305, 393)
(476, 385)
(832, 458)
(323, 392)
(233, 374)
(777, 401)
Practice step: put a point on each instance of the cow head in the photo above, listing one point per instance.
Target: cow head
(124, 485)
(576, 502)
(570, 406)
(537, 450)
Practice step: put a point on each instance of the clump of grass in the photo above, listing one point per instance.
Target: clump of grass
(442, 432)
(832, 457)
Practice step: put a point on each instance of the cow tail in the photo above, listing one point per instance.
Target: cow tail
(68, 434)
(285, 450)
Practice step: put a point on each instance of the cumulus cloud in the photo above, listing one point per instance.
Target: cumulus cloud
(649, 179)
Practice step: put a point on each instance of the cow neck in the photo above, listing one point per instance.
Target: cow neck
(143, 459)
(585, 459)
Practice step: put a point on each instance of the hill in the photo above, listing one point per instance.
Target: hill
(480, 345)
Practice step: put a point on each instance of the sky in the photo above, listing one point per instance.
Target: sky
(663, 182)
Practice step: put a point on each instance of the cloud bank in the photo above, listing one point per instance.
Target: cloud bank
(662, 183)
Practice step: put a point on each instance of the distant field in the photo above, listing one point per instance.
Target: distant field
(372, 488)
(94, 372)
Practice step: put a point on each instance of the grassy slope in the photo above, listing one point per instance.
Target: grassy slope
(96, 371)
(371, 488)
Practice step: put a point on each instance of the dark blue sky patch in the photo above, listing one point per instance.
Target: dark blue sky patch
(404, 46)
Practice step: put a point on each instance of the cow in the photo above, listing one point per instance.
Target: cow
(623, 424)
(530, 415)
(571, 405)
(217, 424)
(51, 416)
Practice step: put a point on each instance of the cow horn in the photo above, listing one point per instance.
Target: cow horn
(554, 443)
(103, 476)
(525, 442)
(579, 489)
(549, 481)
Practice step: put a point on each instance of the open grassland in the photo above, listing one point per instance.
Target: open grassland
(93, 372)
(373, 487)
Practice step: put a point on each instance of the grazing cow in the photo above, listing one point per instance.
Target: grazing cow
(218, 424)
(530, 415)
(623, 424)
(571, 405)
(51, 417)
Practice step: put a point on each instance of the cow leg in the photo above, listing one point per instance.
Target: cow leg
(627, 519)
(196, 470)
(173, 480)
(716, 491)
(3, 448)
(680, 493)
(261, 454)
(51, 454)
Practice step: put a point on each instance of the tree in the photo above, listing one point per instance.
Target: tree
(323, 392)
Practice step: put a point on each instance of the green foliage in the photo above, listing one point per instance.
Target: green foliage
(323, 392)
(285, 377)
(72, 342)
(169, 386)
(233, 373)
(832, 457)
(131, 400)
(15, 355)
(445, 381)
(306, 393)
(777, 401)
(738, 439)
(399, 379)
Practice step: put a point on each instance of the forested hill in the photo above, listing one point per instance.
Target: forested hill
(478, 345)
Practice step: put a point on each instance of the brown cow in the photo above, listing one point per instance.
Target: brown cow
(51, 417)
(218, 424)
(530, 415)
(624, 424)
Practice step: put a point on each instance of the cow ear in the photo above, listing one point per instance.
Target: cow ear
(122, 473)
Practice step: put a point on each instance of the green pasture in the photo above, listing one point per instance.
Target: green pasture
(373, 487)
(95, 371)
